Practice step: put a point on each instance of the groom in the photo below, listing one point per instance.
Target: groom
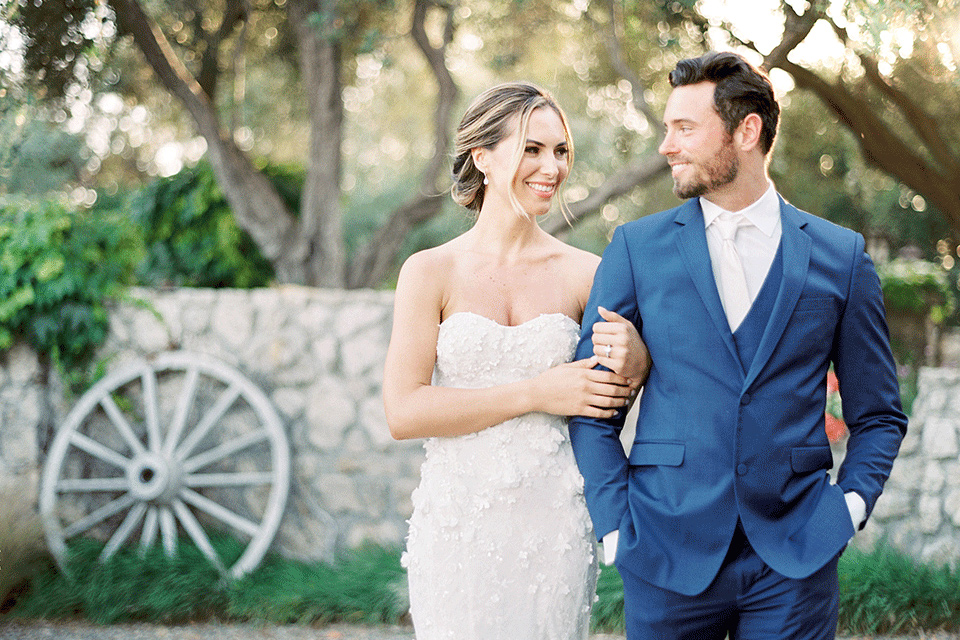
(723, 518)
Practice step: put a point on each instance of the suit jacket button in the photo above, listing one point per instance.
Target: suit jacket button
(741, 469)
(745, 399)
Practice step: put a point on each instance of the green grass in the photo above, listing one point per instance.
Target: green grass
(363, 586)
(882, 591)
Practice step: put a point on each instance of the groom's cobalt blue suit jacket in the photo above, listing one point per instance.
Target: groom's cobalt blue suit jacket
(717, 440)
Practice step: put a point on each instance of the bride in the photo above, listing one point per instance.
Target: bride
(500, 543)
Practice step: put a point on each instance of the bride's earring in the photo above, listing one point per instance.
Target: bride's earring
(486, 180)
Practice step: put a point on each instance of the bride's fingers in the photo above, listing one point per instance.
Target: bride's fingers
(596, 412)
(610, 400)
(609, 377)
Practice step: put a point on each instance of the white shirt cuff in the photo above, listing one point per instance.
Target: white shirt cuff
(857, 508)
(610, 546)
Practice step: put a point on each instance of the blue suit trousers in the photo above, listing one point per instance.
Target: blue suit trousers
(746, 601)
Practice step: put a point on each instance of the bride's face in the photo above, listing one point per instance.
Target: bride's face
(543, 164)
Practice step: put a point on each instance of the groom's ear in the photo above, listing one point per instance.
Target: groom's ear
(747, 135)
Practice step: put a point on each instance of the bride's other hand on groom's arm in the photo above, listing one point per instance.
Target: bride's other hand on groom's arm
(578, 389)
(619, 347)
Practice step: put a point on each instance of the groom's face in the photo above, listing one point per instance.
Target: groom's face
(701, 153)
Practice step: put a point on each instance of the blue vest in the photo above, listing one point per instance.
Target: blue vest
(748, 334)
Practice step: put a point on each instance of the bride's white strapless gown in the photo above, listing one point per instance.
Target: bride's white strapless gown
(500, 544)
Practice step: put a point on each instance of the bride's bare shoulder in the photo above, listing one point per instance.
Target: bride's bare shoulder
(578, 259)
(431, 272)
(435, 259)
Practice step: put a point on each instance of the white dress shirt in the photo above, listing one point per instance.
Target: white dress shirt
(757, 244)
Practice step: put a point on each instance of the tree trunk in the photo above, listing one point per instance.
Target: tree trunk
(377, 258)
(319, 243)
(256, 205)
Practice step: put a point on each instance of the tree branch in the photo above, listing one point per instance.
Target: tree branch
(883, 147)
(171, 72)
(636, 174)
(234, 13)
(376, 258)
(796, 27)
(620, 66)
(255, 203)
(920, 121)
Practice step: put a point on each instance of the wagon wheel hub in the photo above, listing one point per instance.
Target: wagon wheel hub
(154, 478)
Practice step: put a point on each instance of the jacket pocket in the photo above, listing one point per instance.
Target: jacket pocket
(815, 305)
(668, 453)
(807, 459)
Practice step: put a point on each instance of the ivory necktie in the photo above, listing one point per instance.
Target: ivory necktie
(733, 282)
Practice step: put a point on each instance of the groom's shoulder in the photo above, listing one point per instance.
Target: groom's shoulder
(821, 229)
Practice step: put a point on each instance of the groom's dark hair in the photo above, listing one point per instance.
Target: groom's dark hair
(741, 89)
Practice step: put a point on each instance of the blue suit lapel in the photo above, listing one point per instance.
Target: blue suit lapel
(796, 262)
(692, 240)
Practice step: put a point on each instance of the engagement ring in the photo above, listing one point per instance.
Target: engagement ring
(608, 350)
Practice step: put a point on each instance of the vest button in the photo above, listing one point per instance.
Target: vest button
(745, 399)
(741, 469)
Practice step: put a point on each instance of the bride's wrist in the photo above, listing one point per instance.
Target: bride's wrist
(527, 395)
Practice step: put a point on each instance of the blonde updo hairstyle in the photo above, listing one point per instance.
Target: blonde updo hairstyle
(487, 121)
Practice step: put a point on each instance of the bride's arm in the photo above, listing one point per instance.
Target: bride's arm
(416, 409)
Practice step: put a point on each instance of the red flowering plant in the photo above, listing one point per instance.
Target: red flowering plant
(836, 427)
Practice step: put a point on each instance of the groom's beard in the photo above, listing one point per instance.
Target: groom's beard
(719, 171)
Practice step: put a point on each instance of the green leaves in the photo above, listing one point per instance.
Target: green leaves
(58, 270)
(917, 286)
(191, 236)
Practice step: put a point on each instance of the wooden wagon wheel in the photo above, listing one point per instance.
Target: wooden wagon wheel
(181, 442)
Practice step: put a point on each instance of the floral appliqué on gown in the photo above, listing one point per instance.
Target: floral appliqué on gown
(500, 544)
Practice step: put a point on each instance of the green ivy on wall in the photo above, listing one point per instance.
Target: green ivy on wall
(59, 270)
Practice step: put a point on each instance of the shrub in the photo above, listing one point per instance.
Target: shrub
(58, 271)
(916, 286)
(191, 236)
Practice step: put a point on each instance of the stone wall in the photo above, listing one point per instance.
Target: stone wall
(24, 415)
(318, 356)
(919, 511)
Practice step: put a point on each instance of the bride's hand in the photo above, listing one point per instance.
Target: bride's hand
(577, 389)
(619, 347)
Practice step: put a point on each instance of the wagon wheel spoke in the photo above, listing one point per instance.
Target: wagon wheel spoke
(219, 512)
(224, 450)
(92, 485)
(124, 530)
(168, 530)
(151, 527)
(184, 402)
(111, 508)
(149, 380)
(195, 531)
(98, 450)
(116, 417)
(209, 420)
(240, 479)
